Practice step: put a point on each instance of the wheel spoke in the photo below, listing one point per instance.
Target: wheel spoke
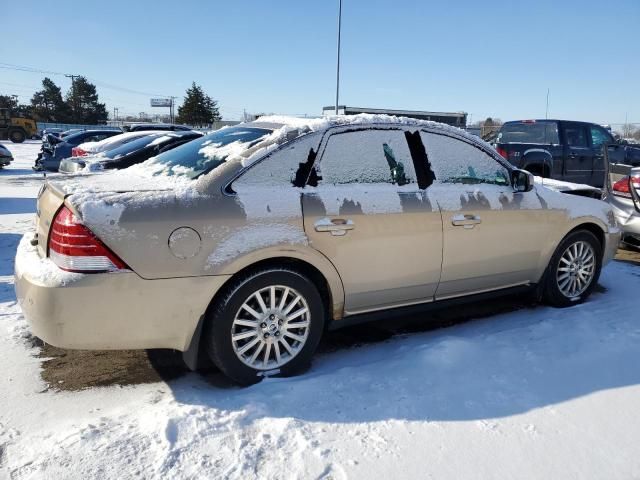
(287, 346)
(251, 311)
(266, 355)
(243, 335)
(256, 353)
(292, 304)
(276, 349)
(297, 338)
(258, 297)
(249, 345)
(298, 325)
(283, 300)
(246, 323)
(273, 297)
(300, 312)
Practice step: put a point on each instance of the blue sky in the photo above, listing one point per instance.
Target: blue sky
(489, 58)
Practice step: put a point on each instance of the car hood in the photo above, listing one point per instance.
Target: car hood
(568, 187)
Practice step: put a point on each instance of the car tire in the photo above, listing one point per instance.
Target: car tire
(17, 136)
(238, 319)
(573, 271)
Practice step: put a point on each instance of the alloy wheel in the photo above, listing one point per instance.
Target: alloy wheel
(271, 327)
(576, 269)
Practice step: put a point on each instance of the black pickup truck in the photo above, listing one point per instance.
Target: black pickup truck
(562, 149)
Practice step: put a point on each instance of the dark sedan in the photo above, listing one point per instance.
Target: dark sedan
(136, 151)
(55, 149)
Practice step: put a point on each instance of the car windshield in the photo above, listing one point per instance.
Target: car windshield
(131, 146)
(529, 132)
(204, 154)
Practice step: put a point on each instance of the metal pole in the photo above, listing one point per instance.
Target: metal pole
(546, 114)
(338, 63)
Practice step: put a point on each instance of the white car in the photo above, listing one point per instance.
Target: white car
(95, 148)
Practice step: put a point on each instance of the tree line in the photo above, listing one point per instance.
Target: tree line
(81, 105)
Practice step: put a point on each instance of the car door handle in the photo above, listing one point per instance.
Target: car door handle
(466, 221)
(337, 226)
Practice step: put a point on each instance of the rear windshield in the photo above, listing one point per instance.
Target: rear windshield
(206, 153)
(131, 146)
(529, 132)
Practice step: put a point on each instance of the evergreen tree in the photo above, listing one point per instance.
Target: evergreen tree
(82, 100)
(16, 109)
(198, 108)
(47, 104)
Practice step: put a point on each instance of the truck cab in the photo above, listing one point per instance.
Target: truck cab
(565, 150)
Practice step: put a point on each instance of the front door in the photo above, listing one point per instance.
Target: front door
(492, 236)
(368, 216)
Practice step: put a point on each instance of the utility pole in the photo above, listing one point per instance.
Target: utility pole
(115, 115)
(73, 95)
(338, 62)
(546, 114)
(171, 110)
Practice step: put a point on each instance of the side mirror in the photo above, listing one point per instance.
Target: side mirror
(522, 181)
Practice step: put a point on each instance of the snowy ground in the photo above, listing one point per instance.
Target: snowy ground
(533, 393)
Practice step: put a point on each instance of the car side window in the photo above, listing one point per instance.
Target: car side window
(575, 136)
(599, 136)
(289, 165)
(367, 156)
(456, 161)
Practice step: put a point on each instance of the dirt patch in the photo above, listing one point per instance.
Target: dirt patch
(80, 369)
(629, 254)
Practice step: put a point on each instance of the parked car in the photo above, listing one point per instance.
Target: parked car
(248, 243)
(94, 148)
(624, 197)
(131, 153)
(137, 127)
(5, 156)
(560, 149)
(55, 149)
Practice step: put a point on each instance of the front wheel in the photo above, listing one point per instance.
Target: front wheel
(17, 136)
(268, 324)
(573, 270)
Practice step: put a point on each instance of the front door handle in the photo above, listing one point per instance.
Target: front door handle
(337, 226)
(466, 221)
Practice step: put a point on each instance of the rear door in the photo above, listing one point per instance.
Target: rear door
(578, 158)
(368, 215)
(599, 138)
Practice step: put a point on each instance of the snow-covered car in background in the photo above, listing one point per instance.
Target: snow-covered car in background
(93, 148)
(55, 149)
(131, 153)
(624, 197)
(5, 156)
(249, 242)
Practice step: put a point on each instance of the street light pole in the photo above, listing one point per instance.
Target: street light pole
(338, 63)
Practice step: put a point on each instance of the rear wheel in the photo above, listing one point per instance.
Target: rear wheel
(17, 135)
(268, 324)
(574, 270)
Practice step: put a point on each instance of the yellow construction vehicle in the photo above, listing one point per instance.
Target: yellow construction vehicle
(16, 128)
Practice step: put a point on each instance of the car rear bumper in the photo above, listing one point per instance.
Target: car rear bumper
(627, 217)
(110, 311)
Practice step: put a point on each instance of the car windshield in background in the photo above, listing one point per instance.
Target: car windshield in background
(131, 146)
(529, 132)
(204, 154)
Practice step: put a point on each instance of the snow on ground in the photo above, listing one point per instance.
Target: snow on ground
(537, 393)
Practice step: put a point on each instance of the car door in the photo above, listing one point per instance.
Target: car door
(492, 236)
(367, 214)
(599, 137)
(578, 159)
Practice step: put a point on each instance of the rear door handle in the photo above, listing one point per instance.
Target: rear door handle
(466, 221)
(337, 226)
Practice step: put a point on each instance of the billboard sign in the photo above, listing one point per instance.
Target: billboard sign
(160, 102)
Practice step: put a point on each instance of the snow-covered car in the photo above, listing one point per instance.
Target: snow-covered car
(93, 148)
(248, 243)
(5, 156)
(131, 153)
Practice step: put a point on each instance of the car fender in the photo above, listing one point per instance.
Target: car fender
(538, 157)
(302, 253)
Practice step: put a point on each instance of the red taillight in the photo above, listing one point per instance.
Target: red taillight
(74, 248)
(503, 153)
(622, 187)
(78, 152)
